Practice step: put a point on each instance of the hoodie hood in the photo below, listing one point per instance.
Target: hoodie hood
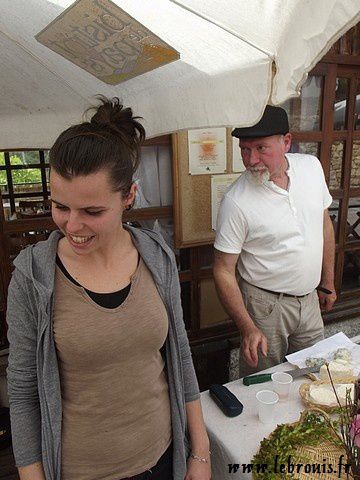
(37, 262)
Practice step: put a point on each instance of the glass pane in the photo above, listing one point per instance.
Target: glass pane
(357, 107)
(47, 175)
(27, 180)
(3, 178)
(211, 310)
(4, 189)
(7, 209)
(24, 158)
(3, 182)
(341, 103)
(334, 215)
(311, 148)
(355, 165)
(337, 155)
(353, 220)
(3, 185)
(351, 272)
(154, 178)
(305, 111)
(39, 199)
(33, 207)
(164, 226)
(46, 156)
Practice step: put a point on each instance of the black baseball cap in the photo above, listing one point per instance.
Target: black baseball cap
(273, 122)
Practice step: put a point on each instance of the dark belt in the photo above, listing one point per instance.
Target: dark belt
(279, 293)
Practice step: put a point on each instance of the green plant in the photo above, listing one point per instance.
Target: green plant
(348, 426)
(28, 175)
(285, 441)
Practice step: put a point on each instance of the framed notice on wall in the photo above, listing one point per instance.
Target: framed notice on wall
(192, 193)
(207, 151)
(219, 185)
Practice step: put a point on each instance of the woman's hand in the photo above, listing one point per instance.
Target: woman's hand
(197, 470)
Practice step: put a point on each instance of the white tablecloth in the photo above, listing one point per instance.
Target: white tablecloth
(236, 440)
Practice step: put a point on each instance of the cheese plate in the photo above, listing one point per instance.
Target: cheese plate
(320, 394)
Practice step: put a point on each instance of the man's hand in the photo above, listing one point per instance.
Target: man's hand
(252, 339)
(233, 302)
(326, 300)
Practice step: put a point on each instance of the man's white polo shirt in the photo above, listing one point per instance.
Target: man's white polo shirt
(278, 233)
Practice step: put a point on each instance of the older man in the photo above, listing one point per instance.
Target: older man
(274, 230)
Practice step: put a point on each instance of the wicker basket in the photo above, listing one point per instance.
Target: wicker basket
(323, 455)
(304, 391)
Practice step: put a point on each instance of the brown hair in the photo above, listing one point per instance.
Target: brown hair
(111, 140)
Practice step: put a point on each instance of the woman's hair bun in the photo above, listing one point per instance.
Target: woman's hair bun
(110, 140)
(112, 115)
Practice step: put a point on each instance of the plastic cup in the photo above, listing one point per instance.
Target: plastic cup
(266, 399)
(281, 383)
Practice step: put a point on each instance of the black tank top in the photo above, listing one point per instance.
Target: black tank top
(106, 300)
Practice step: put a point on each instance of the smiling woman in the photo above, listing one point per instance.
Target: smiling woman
(89, 214)
(96, 330)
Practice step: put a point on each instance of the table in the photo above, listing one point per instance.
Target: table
(236, 440)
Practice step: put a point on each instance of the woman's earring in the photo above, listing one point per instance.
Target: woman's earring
(130, 206)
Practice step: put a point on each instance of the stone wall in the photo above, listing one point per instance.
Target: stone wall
(337, 153)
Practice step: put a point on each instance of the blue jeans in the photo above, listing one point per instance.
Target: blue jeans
(163, 470)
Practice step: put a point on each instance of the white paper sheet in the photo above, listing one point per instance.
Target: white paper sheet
(165, 176)
(219, 185)
(147, 179)
(326, 349)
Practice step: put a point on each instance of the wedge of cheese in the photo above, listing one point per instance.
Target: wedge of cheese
(324, 394)
(337, 371)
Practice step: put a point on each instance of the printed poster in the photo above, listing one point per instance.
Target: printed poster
(207, 151)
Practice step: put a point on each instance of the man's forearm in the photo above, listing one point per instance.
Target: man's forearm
(253, 340)
(232, 299)
(328, 264)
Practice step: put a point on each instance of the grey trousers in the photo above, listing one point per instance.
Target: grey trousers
(289, 324)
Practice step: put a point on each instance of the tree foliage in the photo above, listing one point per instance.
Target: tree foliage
(28, 175)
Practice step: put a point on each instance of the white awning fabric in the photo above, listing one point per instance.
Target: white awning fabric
(235, 57)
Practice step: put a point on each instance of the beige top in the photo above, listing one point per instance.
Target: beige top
(116, 408)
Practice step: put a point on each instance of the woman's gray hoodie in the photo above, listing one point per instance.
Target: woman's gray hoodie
(33, 375)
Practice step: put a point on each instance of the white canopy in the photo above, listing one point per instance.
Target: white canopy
(235, 57)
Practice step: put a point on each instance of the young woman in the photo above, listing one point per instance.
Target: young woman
(101, 381)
